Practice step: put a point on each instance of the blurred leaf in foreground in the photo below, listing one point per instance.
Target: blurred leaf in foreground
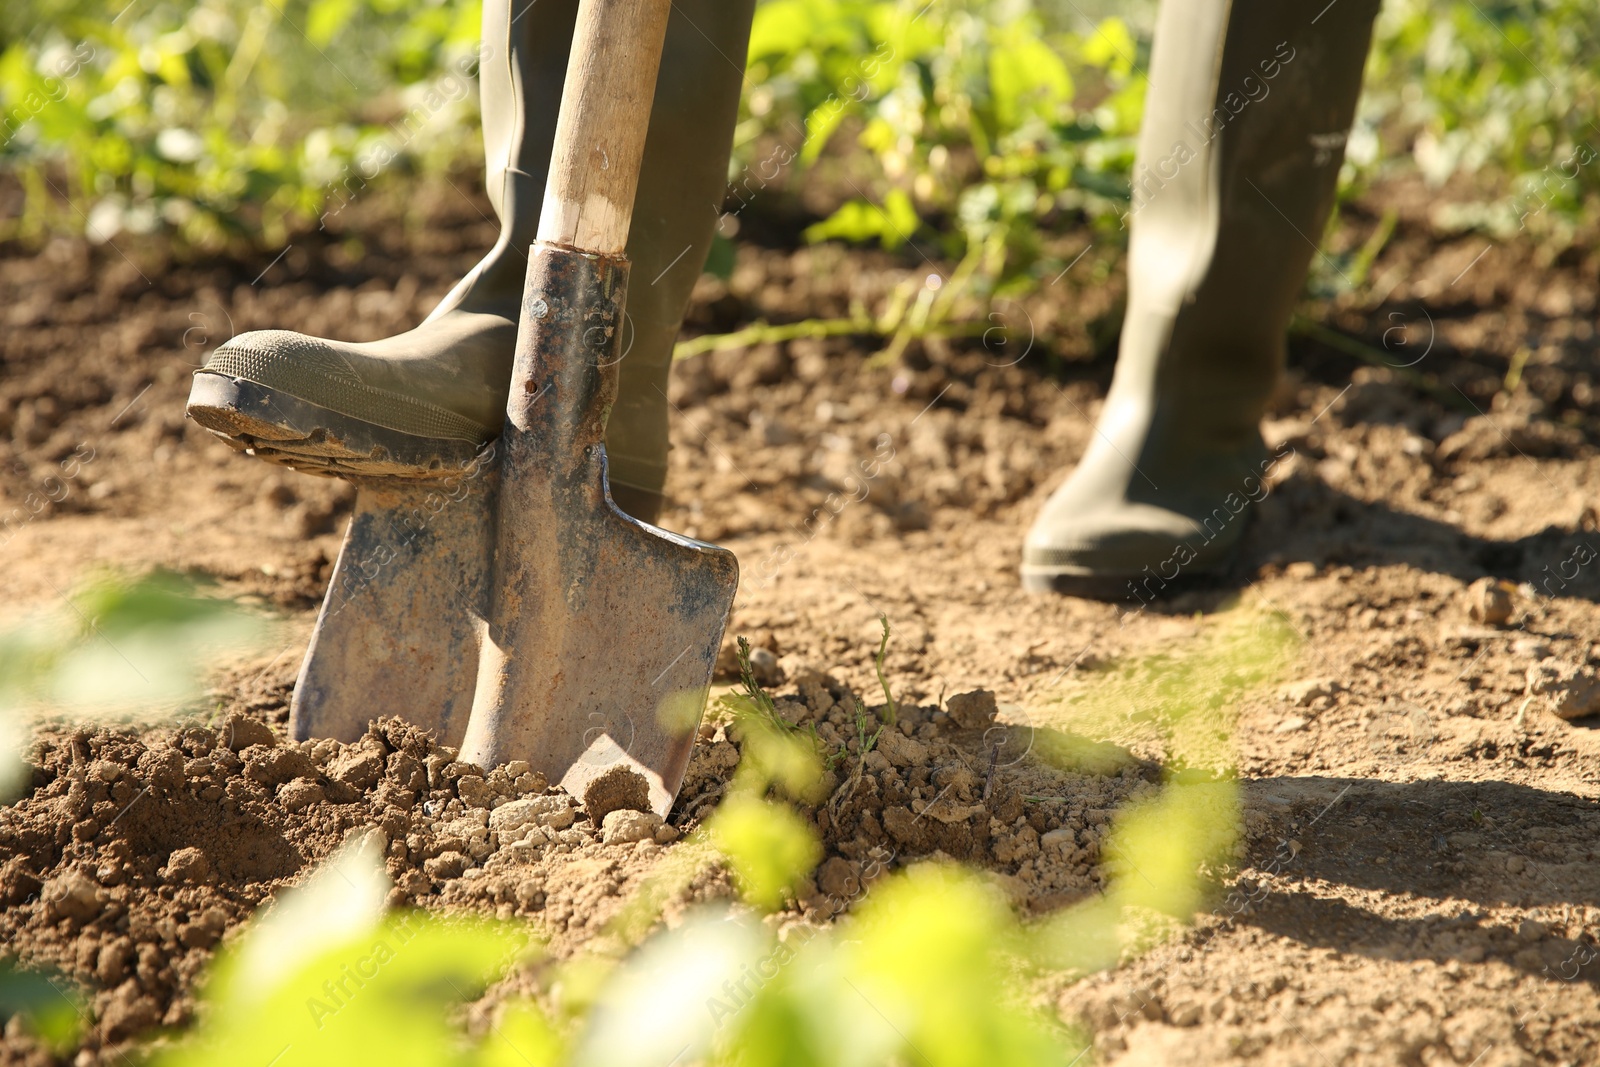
(45, 1004)
(121, 645)
(118, 646)
(768, 846)
(928, 972)
(326, 977)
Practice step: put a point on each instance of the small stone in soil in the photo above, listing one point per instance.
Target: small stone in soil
(1302, 693)
(446, 865)
(1489, 601)
(764, 667)
(1573, 692)
(359, 768)
(624, 826)
(72, 895)
(552, 811)
(475, 790)
(973, 711)
(1057, 840)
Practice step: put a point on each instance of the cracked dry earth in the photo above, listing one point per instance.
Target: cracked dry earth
(1420, 875)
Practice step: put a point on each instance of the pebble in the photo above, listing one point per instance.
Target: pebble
(973, 711)
(1489, 601)
(241, 731)
(187, 865)
(764, 667)
(624, 826)
(1058, 840)
(72, 895)
(360, 768)
(1292, 724)
(475, 790)
(1532, 647)
(445, 865)
(1573, 692)
(554, 812)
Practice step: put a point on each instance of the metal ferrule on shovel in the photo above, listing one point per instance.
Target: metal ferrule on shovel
(517, 612)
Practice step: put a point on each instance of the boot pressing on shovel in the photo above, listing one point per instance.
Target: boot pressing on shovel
(527, 617)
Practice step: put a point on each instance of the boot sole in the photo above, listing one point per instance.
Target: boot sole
(283, 429)
(1112, 588)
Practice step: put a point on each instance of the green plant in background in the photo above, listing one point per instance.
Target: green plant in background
(225, 121)
(972, 129)
(967, 114)
(1504, 94)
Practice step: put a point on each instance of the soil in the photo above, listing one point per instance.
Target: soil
(1419, 880)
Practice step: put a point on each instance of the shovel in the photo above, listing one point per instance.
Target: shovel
(518, 609)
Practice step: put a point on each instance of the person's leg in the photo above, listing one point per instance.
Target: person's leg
(425, 400)
(682, 184)
(1238, 161)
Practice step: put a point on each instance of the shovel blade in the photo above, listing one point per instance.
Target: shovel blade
(603, 630)
(606, 637)
(400, 627)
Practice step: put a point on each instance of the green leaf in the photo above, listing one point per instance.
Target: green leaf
(768, 846)
(672, 994)
(720, 260)
(326, 977)
(1159, 848)
(1026, 77)
(860, 220)
(779, 27)
(326, 18)
(1110, 47)
(934, 954)
(49, 1005)
(821, 124)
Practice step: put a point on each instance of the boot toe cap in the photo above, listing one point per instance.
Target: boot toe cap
(1101, 554)
(328, 374)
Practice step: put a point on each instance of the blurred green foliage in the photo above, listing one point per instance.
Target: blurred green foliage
(226, 120)
(930, 965)
(327, 976)
(1504, 92)
(44, 1003)
(971, 128)
(117, 645)
(967, 120)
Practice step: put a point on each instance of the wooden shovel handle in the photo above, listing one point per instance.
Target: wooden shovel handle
(600, 131)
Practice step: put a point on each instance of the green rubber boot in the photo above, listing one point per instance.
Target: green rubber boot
(1238, 159)
(421, 404)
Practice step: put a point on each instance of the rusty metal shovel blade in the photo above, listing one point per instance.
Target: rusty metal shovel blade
(603, 631)
(400, 628)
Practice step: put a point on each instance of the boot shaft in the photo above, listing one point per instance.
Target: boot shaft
(1249, 107)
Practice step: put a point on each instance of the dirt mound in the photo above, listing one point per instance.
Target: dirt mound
(135, 855)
